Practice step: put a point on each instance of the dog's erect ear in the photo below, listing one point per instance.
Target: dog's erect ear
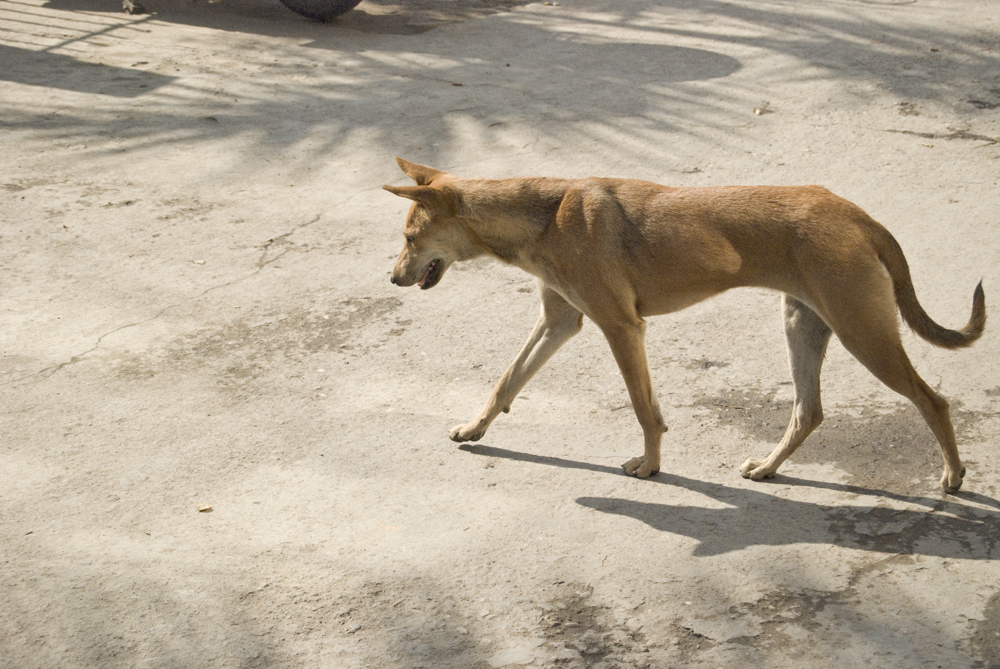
(430, 197)
(422, 174)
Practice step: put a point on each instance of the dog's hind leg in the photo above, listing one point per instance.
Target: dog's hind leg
(807, 336)
(556, 324)
(881, 351)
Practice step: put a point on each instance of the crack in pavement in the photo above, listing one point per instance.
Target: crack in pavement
(263, 262)
(280, 240)
(955, 134)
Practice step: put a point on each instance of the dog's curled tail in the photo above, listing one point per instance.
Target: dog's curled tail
(891, 255)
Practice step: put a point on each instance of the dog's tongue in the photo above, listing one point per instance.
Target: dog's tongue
(423, 277)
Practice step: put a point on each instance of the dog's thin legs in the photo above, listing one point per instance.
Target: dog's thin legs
(556, 324)
(867, 326)
(884, 357)
(935, 411)
(628, 344)
(807, 336)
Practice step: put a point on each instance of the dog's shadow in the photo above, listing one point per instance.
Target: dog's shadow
(943, 527)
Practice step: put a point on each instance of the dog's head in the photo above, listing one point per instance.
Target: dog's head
(435, 235)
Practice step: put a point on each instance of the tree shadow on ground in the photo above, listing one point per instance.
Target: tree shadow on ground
(553, 74)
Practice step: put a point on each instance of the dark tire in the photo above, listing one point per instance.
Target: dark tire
(320, 10)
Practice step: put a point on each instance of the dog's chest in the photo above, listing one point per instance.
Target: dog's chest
(554, 279)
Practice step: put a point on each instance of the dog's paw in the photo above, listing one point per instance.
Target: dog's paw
(473, 431)
(639, 468)
(951, 482)
(755, 470)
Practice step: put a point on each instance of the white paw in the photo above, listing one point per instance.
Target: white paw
(755, 470)
(952, 481)
(639, 468)
(471, 432)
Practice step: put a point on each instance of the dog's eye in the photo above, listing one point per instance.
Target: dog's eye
(409, 239)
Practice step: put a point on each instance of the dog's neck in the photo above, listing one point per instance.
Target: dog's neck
(508, 215)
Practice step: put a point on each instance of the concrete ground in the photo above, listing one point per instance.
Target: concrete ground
(225, 434)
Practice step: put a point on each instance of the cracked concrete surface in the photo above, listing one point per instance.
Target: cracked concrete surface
(196, 314)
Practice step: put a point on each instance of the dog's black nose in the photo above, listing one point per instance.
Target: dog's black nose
(392, 279)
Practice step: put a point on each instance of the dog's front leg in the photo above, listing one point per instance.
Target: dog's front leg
(628, 343)
(556, 324)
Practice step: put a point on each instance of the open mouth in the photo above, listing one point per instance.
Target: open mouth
(431, 275)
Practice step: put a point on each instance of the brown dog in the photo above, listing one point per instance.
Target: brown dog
(618, 250)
